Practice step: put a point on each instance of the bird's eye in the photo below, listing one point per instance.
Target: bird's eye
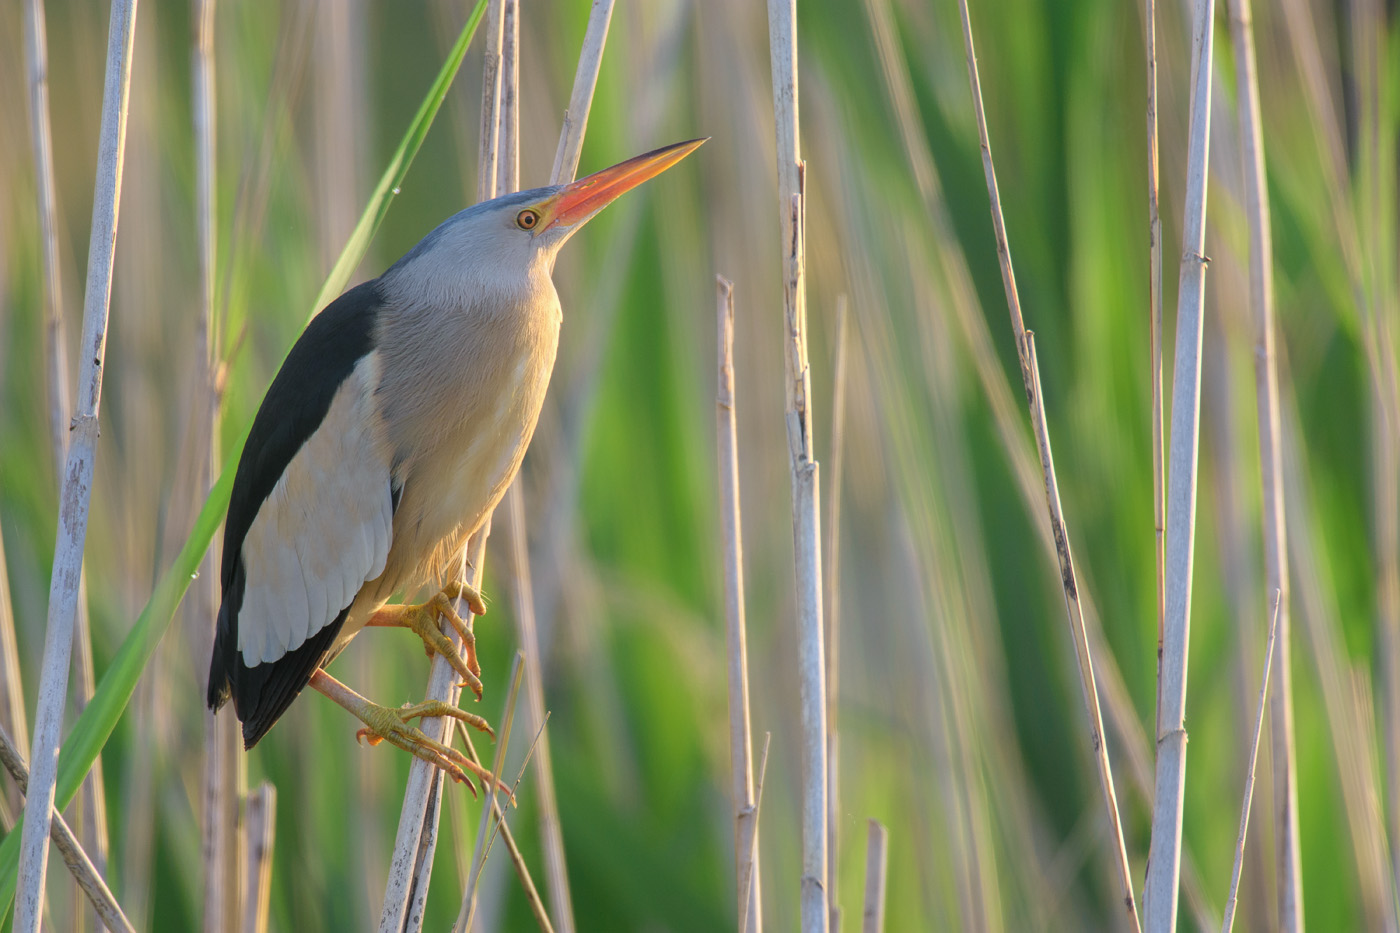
(527, 219)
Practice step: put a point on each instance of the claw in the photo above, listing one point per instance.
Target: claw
(423, 619)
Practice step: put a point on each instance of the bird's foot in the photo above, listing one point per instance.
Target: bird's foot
(422, 619)
(386, 724)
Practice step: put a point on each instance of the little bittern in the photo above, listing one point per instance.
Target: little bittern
(393, 428)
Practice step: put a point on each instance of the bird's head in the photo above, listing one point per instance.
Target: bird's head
(513, 238)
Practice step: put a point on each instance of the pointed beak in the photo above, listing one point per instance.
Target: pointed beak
(579, 201)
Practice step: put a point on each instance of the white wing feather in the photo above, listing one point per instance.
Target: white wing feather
(323, 532)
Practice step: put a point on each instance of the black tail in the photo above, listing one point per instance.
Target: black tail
(262, 693)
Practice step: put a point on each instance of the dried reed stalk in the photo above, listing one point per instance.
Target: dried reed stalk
(806, 479)
(877, 850)
(92, 803)
(222, 849)
(490, 806)
(832, 604)
(89, 879)
(1030, 373)
(415, 842)
(750, 907)
(78, 473)
(262, 833)
(1154, 252)
(12, 715)
(581, 98)
(1229, 920)
(1164, 856)
(1288, 857)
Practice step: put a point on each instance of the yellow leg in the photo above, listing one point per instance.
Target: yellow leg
(422, 619)
(386, 724)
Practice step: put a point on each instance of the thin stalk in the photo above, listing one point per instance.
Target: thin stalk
(522, 871)
(12, 715)
(736, 637)
(84, 872)
(262, 832)
(415, 842)
(1030, 373)
(78, 473)
(416, 839)
(488, 143)
(93, 805)
(508, 163)
(483, 832)
(806, 477)
(833, 609)
(1164, 856)
(551, 827)
(1288, 856)
(877, 850)
(221, 844)
(1154, 249)
(590, 57)
(1230, 902)
(748, 880)
(1075, 610)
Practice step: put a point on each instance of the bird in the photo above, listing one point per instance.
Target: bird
(392, 429)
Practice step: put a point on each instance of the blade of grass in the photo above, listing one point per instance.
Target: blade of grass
(114, 691)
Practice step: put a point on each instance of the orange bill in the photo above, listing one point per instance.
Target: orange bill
(582, 199)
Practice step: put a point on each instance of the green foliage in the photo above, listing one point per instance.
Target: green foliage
(962, 723)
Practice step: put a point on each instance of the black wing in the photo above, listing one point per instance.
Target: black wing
(295, 406)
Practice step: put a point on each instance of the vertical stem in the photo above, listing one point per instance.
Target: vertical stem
(223, 856)
(416, 839)
(1261, 292)
(488, 151)
(78, 473)
(1154, 247)
(488, 805)
(1030, 375)
(415, 842)
(93, 802)
(551, 827)
(262, 832)
(832, 604)
(877, 850)
(12, 715)
(1229, 919)
(736, 636)
(1164, 858)
(590, 57)
(806, 516)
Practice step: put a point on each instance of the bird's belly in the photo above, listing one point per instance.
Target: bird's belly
(449, 492)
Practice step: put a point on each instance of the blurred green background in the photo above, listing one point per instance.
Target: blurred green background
(962, 723)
